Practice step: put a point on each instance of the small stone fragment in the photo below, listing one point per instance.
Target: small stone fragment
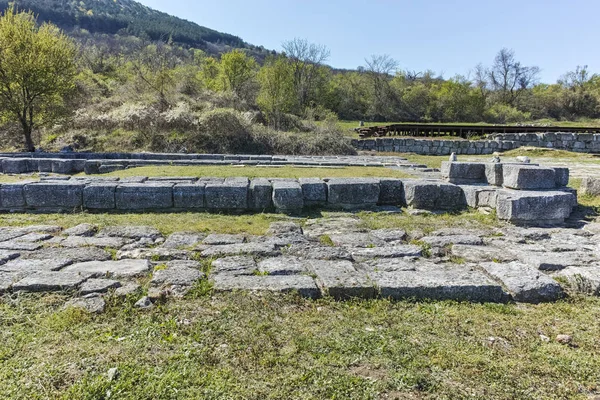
(93, 305)
(564, 339)
(98, 286)
(144, 303)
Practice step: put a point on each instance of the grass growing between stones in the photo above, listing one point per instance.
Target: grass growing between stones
(17, 178)
(238, 346)
(259, 172)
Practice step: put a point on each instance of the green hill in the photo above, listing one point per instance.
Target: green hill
(127, 17)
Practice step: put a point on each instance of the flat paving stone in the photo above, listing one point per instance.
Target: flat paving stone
(526, 284)
(8, 278)
(10, 233)
(388, 265)
(282, 266)
(7, 255)
(341, 280)
(316, 252)
(51, 281)
(16, 245)
(406, 250)
(176, 276)
(356, 240)
(102, 242)
(554, 261)
(483, 253)
(223, 239)
(30, 266)
(235, 265)
(438, 282)
(85, 230)
(584, 279)
(75, 255)
(441, 241)
(117, 269)
(155, 254)
(182, 239)
(128, 289)
(130, 232)
(93, 305)
(304, 285)
(390, 235)
(255, 249)
(284, 227)
(332, 226)
(98, 286)
(34, 237)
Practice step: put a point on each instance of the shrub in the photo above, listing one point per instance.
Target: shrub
(505, 114)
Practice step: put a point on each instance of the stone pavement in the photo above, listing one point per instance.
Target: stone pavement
(334, 256)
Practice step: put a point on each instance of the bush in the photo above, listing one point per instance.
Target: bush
(505, 114)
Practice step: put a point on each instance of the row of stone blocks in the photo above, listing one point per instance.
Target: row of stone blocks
(11, 165)
(282, 195)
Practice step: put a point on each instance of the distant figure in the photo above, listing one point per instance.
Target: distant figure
(524, 160)
(361, 124)
(496, 158)
(453, 157)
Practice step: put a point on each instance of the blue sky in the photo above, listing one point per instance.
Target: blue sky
(446, 36)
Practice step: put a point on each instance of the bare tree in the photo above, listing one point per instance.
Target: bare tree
(480, 80)
(380, 70)
(578, 78)
(509, 78)
(306, 59)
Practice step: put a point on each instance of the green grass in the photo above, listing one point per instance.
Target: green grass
(258, 172)
(239, 346)
(17, 178)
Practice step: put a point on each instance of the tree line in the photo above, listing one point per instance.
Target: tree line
(45, 76)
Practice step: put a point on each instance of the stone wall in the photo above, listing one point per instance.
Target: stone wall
(578, 142)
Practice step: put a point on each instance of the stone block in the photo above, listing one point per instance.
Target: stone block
(45, 164)
(287, 196)
(99, 196)
(12, 196)
(535, 208)
(480, 196)
(62, 166)
(54, 195)
(435, 282)
(92, 167)
(188, 196)
(46, 281)
(561, 177)
(391, 192)
(525, 284)
(494, 174)
(590, 186)
(282, 266)
(15, 165)
(522, 177)
(340, 280)
(463, 172)
(261, 192)
(353, 192)
(117, 269)
(144, 196)
(304, 285)
(314, 191)
(431, 195)
(229, 195)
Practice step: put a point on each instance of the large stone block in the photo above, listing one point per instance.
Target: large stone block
(463, 172)
(523, 177)
(391, 192)
(62, 166)
(341, 280)
(304, 285)
(261, 192)
(535, 208)
(590, 186)
(188, 195)
(287, 196)
(144, 196)
(92, 167)
(314, 191)
(15, 165)
(353, 192)
(480, 196)
(493, 174)
(54, 195)
(12, 196)
(561, 177)
(99, 196)
(229, 195)
(45, 164)
(431, 195)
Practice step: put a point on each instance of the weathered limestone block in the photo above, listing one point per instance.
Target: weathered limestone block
(287, 196)
(353, 192)
(304, 285)
(99, 196)
(232, 194)
(526, 284)
(62, 166)
(45, 164)
(50, 282)
(431, 195)
(146, 196)
(341, 280)
(494, 174)
(523, 177)
(561, 177)
(535, 208)
(118, 269)
(463, 172)
(391, 192)
(188, 195)
(590, 186)
(15, 165)
(480, 196)
(282, 266)
(54, 195)
(584, 279)
(261, 192)
(12, 195)
(98, 286)
(314, 191)
(437, 282)
(92, 167)
(234, 265)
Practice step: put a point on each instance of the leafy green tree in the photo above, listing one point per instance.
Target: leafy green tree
(237, 73)
(37, 70)
(277, 95)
